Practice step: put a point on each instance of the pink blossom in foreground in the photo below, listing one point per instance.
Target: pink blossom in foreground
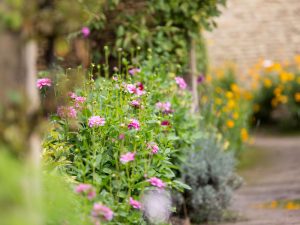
(79, 100)
(134, 71)
(85, 31)
(154, 181)
(121, 136)
(135, 103)
(165, 123)
(86, 189)
(134, 124)
(165, 107)
(137, 89)
(43, 82)
(102, 211)
(131, 88)
(129, 156)
(153, 147)
(96, 121)
(72, 95)
(66, 112)
(181, 83)
(135, 204)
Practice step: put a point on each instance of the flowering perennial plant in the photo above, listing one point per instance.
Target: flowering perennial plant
(121, 142)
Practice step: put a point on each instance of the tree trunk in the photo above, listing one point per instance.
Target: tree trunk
(193, 75)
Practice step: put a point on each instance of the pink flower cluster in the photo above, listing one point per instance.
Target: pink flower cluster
(134, 124)
(154, 181)
(135, 204)
(137, 89)
(85, 31)
(165, 107)
(43, 82)
(86, 189)
(66, 112)
(135, 103)
(79, 100)
(181, 83)
(129, 156)
(102, 212)
(153, 147)
(96, 121)
(134, 71)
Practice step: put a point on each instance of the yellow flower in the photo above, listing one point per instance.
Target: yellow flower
(273, 205)
(290, 206)
(229, 94)
(256, 108)
(219, 90)
(283, 99)
(297, 97)
(231, 104)
(285, 77)
(278, 90)
(235, 115)
(218, 101)
(267, 82)
(230, 124)
(244, 134)
(248, 95)
(274, 102)
(235, 88)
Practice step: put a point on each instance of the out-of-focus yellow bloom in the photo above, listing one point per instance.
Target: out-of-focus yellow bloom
(219, 90)
(283, 99)
(229, 94)
(204, 99)
(286, 76)
(235, 115)
(235, 88)
(208, 78)
(230, 124)
(278, 90)
(231, 104)
(297, 97)
(291, 206)
(248, 95)
(244, 134)
(274, 102)
(218, 101)
(256, 107)
(273, 204)
(297, 59)
(267, 82)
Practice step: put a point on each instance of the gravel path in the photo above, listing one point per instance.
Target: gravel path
(277, 178)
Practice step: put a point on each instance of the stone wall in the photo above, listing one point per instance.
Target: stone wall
(249, 30)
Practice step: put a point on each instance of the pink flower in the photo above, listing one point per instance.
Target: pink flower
(137, 89)
(79, 100)
(103, 211)
(134, 71)
(135, 204)
(134, 124)
(153, 146)
(86, 189)
(72, 95)
(181, 83)
(121, 136)
(40, 83)
(135, 103)
(85, 31)
(165, 107)
(96, 121)
(67, 112)
(154, 181)
(131, 88)
(165, 123)
(129, 156)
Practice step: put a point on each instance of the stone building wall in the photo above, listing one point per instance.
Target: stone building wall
(249, 30)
